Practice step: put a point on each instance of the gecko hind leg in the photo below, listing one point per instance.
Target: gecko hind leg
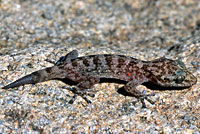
(82, 89)
(67, 58)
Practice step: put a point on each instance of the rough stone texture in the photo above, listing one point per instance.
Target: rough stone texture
(31, 31)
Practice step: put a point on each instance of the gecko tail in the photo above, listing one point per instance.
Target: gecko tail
(22, 81)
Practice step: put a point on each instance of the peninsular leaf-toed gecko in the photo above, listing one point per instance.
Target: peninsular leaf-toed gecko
(86, 71)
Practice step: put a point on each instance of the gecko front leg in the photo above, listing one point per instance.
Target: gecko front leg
(130, 87)
(81, 89)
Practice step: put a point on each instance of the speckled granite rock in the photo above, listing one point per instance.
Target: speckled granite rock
(31, 31)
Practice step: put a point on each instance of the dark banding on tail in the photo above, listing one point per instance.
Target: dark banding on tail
(24, 80)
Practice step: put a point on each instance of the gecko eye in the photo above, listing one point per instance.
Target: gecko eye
(179, 76)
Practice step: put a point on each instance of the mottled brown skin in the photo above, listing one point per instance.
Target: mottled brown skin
(89, 70)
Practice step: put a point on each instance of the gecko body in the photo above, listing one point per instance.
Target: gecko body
(86, 71)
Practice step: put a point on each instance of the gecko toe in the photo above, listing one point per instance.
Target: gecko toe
(150, 101)
(48, 60)
(91, 95)
(86, 99)
(146, 97)
(143, 103)
(78, 92)
(73, 99)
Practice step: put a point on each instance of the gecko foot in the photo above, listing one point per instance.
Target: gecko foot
(145, 97)
(75, 96)
(78, 92)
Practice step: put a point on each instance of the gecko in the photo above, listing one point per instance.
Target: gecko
(86, 71)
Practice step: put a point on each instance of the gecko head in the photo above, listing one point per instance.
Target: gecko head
(172, 73)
